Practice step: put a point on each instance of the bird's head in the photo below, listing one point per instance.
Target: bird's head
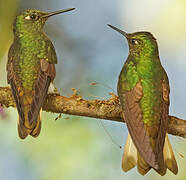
(140, 43)
(32, 20)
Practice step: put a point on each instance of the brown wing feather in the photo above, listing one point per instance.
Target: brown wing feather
(168, 152)
(12, 81)
(15, 93)
(46, 76)
(15, 87)
(135, 124)
(163, 125)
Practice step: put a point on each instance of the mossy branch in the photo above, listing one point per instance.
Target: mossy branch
(103, 109)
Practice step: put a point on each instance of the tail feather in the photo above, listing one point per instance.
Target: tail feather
(162, 169)
(143, 167)
(169, 158)
(36, 131)
(131, 158)
(130, 155)
(24, 129)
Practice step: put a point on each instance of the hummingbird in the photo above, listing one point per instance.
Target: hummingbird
(31, 68)
(143, 90)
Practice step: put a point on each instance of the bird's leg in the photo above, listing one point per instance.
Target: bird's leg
(52, 90)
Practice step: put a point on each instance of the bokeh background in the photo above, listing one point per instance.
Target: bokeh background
(89, 51)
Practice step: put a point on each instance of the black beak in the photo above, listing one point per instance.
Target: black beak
(57, 12)
(120, 31)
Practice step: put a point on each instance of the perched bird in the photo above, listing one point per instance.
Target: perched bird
(143, 90)
(31, 68)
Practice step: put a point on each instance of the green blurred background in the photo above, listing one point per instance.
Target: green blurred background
(88, 51)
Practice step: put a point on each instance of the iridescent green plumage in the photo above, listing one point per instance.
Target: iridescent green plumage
(31, 68)
(143, 65)
(143, 90)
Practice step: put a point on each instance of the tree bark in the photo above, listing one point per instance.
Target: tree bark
(103, 109)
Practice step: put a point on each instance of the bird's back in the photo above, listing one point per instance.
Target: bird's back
(24, 63)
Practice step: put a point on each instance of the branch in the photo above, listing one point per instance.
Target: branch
(102, 109)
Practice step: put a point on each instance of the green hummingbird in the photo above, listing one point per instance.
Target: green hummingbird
(143, 90)
(31, 68)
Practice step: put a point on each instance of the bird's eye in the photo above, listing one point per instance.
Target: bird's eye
(33, 17)
(134, 42)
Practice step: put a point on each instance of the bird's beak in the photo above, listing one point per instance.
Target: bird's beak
(120, 31)
(57, 12)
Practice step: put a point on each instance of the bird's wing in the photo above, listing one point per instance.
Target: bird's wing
(168, 152)
(45, 76)
(133, 116)
(164, 115)
(9, 68)
(163, 124)
(12, 80)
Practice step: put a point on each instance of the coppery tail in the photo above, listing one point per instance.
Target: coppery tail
(25, 129)
(36, 131)
(22, 131)
(143, 167)
(131, 158)
(169, 156)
